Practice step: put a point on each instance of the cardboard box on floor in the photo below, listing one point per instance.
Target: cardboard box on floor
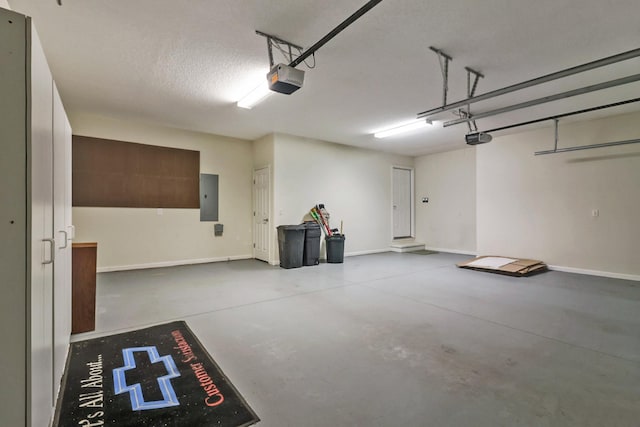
(517, 267)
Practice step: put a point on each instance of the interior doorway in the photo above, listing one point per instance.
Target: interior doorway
(402, 202)
(261, 214)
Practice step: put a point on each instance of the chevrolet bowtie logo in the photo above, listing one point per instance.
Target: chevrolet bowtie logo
(135, 390)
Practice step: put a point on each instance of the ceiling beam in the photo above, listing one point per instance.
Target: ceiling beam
(545, 99)
(533, 82)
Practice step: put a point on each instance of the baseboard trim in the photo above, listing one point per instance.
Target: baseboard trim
(171, 263)
(560, 268)
(348, 254)
(373, 251)
(594, 272)
(451, 251)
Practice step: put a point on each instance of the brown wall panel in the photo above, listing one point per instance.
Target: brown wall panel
(108, 173)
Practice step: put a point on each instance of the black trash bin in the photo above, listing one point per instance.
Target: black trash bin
(311, 255)
(335, 248)
(291, 245)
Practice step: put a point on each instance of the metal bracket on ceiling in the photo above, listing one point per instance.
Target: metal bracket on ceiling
(472, 85)
(443, 59)
(549, 98)
(278, 43)
(558, 116)
(471, 90)
(588, 147)
(465, 114)
(303, 55)
(533, 82)
(581, 147)
(556, 120)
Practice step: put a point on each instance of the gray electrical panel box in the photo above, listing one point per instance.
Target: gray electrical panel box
(208, 197)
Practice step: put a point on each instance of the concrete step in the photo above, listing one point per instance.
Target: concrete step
(406, 245)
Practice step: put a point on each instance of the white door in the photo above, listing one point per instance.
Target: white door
(261, 209)
(401, 202)
(62, 265)
(39, 372)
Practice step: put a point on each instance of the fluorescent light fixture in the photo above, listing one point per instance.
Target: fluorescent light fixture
(406, 127)
(255, 96)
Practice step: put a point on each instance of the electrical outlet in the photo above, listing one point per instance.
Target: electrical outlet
(595, 213)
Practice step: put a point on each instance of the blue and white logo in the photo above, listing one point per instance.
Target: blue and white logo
(135, 390)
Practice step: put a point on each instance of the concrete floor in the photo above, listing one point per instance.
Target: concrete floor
(401, 340)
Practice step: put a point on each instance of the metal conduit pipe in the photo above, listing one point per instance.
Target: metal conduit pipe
(533, 82)
(587, 147)
(559, 116)
(543, 100)
(350, 20)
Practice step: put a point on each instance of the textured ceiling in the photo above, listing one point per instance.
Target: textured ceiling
(185, 64)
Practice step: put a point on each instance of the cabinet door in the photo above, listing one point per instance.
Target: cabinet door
(40, 371)
(13, 218)
(62, 264)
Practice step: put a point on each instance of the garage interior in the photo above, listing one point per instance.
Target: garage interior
(397, 339)
(389, 337)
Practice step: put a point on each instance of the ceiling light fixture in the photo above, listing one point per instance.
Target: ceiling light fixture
(255, 96)
(406, 127)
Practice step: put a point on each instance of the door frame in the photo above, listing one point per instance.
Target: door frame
(412, 204)
(253, 205)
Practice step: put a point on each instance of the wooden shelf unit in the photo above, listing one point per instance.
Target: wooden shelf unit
(83, 285)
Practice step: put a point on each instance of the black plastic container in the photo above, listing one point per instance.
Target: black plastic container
(335, 248)
(291, 245)
(311, 255)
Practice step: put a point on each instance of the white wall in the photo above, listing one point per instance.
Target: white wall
(134, 237)
(541, 206)
(4, 4)
(448, 221)
(263, 151)
(353, 183)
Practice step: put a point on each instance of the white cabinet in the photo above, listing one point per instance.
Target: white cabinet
(63, 233)
(35, 221)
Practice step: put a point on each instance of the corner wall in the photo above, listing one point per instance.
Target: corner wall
(353, 183)
(542, 207)
(448, 221)
(539, 207)
(138, 238)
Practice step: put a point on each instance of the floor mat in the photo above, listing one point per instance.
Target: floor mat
(157, 376)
